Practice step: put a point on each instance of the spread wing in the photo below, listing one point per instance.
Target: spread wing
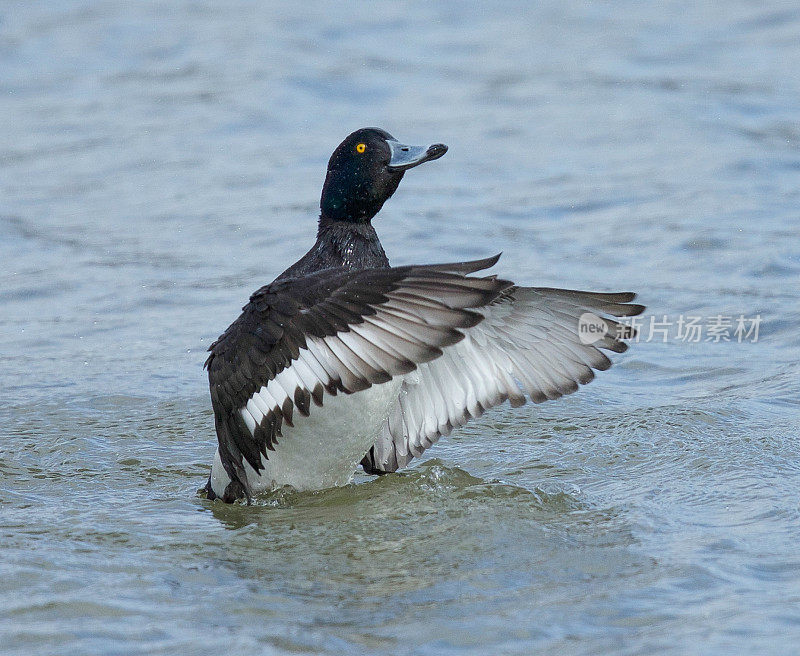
(335, 331)
(528, 345)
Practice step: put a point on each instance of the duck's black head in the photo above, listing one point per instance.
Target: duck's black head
(364, 172)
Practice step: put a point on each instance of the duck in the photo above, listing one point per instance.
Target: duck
(344, 360)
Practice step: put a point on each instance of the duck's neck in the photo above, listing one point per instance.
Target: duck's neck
(354, 245)
(345, 244)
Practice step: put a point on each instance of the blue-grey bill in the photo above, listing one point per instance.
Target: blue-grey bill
(405, 157)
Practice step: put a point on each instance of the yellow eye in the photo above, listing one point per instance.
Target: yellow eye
(360, 148)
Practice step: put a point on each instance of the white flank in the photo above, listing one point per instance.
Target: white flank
(219, 477)
(324, 449)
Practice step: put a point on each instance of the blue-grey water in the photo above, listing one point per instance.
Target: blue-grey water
(161, 160)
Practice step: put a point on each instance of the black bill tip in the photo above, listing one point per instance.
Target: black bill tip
(436, 151)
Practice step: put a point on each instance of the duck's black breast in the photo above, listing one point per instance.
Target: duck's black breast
(350, 246)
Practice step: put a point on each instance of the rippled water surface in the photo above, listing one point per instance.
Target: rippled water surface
(161, 160)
